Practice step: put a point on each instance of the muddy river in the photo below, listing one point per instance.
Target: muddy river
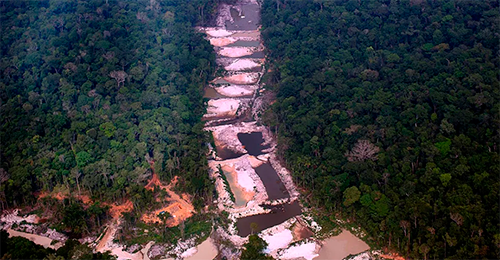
(247, 19)
(280, 214)
(272, 182)
(241, 43)
(211, 93)
(252, 142)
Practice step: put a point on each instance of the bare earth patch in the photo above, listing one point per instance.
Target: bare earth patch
(224, 107)
(243, 78)
(220, 42)
(236, 52)
(237, 90)
(179, 208)
(243, 64)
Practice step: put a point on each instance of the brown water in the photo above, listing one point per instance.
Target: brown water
(212, 93)
(252, 142)
(274, 187)
(281, 213)
(225, 153)
(237, 192)
(206, 250)
(248, 21)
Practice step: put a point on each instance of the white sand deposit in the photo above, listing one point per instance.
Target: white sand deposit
(218, 32)
(307, 251)
(278, 240)
(242, 64)
(220, 42)
(243, 78)
(237, 90)
(11, 217)
(224, 107)
(37, 239)
(236, 52)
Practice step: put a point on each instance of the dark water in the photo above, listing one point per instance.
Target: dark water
(221, 81)
(280, 215)
(244, 44)
(252, 142)
(274, 187)
(225, 153)
(256, 55)
(249, 21)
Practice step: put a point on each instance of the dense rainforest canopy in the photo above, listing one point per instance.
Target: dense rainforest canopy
(388, 111)
(95, 93)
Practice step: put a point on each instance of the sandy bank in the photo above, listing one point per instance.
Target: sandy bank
(224, 107)
(205, 250)
(220, 42)
(37, 239)
(339, 247)
(243, 78)
(243, 64)
(236, 52)
(237, 90)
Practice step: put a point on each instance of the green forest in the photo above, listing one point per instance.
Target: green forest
(388, 112)
(94, 94)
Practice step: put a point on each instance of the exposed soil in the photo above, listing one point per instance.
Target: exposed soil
(300, 232)
(243, 78)
(243, 194)
(180, 208)
(61, 195)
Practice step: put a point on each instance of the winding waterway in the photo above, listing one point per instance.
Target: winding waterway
(261, 197)
(240, 32)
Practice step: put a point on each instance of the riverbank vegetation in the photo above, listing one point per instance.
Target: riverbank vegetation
(387, 112)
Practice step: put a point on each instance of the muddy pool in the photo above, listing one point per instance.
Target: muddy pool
(248, 19)
(272, 182)
(252, 142)
(241, 43)
(279, 214)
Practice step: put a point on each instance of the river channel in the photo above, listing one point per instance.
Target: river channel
(238, 32)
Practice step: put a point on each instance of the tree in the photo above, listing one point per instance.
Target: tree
(363, 150)
(351, 195)
(253, 249)
(119, 76)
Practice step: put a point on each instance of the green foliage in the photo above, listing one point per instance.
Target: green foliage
(351, 195)
(419, 80)
(226, 183)
(253, 249)
(443, 147)
(92, 88)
